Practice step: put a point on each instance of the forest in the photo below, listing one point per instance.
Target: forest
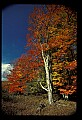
(45, 77)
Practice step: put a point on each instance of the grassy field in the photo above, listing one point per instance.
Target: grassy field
(30, 105)
(35, 105)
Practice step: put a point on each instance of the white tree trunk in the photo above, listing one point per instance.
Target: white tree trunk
(48, 77)
(48, 81)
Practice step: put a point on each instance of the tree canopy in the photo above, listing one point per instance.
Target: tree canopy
(52, 46)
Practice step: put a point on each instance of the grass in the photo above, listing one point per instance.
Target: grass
(29, 105)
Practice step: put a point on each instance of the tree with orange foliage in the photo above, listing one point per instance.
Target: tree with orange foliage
(17, 78)
(52, 29)
(24, 70)
(67, 72)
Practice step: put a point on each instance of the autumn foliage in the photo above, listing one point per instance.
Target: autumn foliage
(25, 69)
(53, 31)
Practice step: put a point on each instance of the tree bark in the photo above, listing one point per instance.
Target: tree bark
(48, 75)
(48, 80)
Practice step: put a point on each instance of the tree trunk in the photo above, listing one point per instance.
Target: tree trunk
(46, 59)
(48, 80)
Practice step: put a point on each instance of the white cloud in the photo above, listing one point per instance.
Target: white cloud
(4, 68)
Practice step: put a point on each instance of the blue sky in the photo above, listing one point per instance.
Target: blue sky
(14, 30)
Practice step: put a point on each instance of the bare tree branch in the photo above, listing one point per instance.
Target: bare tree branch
(43, 87)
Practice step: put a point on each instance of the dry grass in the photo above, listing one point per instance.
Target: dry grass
(28, 105)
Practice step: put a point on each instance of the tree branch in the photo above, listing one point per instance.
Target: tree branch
(43, 87)
(42, 52)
